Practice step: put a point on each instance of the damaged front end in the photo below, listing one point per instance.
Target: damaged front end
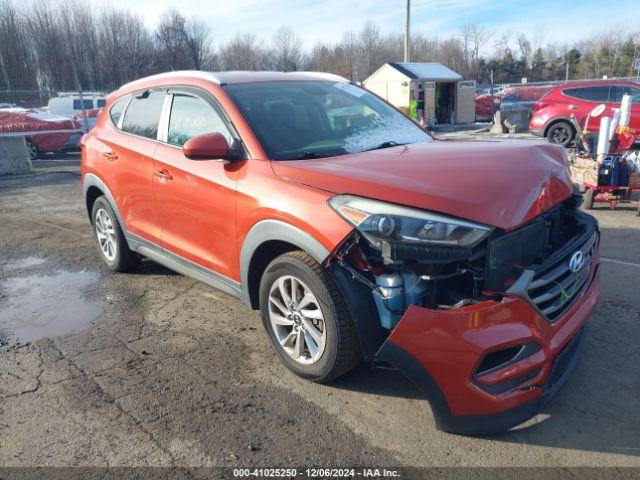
(486, 322)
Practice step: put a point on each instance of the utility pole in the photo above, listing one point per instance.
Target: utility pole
(566, 75)
(407, 41)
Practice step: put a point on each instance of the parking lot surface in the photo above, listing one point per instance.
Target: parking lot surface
(153, 368)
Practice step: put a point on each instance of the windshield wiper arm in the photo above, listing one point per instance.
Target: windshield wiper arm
(387, 144)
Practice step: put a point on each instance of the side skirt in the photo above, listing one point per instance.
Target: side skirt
(186, 267)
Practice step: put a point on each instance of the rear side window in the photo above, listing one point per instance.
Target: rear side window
(191, 116)
(117, 109)
(143, 114)
(593, 94)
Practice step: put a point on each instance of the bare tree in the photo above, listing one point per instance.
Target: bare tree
(474, 37)
(243, 53)
(286, 48)
(17, 70)
(525, 49)
(196, 37)
(127, 51)
(370, 46)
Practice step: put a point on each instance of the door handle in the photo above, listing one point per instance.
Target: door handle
(110, 156)
(574, 107)
(163, 174)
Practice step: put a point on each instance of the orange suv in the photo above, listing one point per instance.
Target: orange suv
(467, 266)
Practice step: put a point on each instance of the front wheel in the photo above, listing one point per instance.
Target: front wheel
(306, 318)
(587, 199)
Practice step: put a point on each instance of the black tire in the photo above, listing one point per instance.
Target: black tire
(124, 258)
(587, 199)
(561, 133)
(342, 350)
(33, 150)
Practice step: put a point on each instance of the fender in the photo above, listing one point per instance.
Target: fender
(267, 230)
(90, 180)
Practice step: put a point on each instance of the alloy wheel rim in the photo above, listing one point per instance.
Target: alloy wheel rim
(560, 135)
(297, 320)
(106, 234)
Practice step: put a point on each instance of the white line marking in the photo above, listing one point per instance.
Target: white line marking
(621, 262)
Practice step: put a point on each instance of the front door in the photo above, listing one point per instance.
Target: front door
(195, 199)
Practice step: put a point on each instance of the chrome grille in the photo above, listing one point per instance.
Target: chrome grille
(552, 288)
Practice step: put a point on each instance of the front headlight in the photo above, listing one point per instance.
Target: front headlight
(382, 222)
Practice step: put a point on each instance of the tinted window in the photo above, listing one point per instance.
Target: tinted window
(143, 114)
(115, 112)
(88, 104)
(191, 116)
(622, 90)
(592, 94)
(100, 103)
(309, 119)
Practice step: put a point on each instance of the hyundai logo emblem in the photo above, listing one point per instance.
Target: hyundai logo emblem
(576, 262)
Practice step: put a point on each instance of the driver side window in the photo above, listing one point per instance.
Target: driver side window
(192, 116)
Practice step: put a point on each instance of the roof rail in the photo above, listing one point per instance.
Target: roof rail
(324, 75)
(178, 73)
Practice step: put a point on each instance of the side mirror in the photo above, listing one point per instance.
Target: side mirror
(597, 111)
(208, 146)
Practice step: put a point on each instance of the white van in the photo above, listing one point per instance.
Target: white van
(68, 103)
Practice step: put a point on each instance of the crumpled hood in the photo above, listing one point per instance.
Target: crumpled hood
(501, 184)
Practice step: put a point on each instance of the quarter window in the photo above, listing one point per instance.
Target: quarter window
(143, 114)
(116, 110)
(191, 116)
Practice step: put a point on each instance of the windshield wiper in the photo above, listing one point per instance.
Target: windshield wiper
(308, 155)
(388, 144)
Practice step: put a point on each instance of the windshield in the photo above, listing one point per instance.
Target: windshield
(316, 119)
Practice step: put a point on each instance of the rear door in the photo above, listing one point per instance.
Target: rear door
(195, 199)
(584, 99)
(128, 163)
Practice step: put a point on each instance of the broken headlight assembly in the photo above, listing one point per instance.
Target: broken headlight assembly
(403, 233)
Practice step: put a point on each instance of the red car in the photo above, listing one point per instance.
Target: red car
(486, 106)
(343, 223)
(44, 132)
(552, 113)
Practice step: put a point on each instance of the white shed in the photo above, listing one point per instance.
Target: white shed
(425, 90)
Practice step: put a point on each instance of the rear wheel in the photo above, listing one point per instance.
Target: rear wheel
(113, 247)
(561, 133)
(306, 318)
(32, 149)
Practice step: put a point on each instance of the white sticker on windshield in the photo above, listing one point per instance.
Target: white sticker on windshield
(350, 89)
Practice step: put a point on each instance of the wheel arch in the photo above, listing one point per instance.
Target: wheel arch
(267, 240)
(556, 121)
(93, 188)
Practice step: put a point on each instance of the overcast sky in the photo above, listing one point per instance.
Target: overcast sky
(552, 20)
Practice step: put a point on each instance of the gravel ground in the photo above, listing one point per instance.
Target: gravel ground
(153, 368)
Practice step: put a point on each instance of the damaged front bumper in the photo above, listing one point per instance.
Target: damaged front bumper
(445, 352)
